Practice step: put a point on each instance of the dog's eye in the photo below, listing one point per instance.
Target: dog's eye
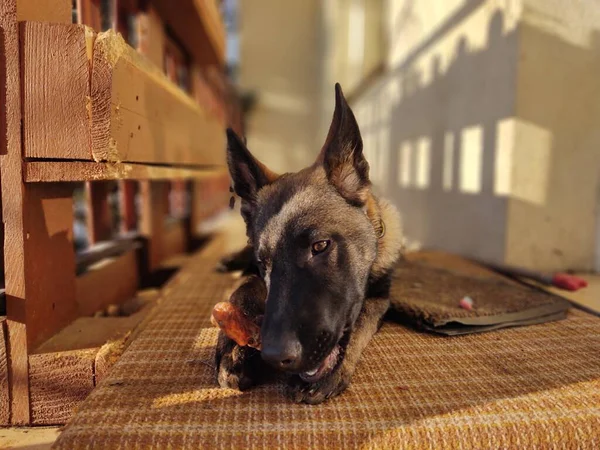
(320, 247)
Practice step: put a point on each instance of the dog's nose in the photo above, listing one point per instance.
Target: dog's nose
(282, 355)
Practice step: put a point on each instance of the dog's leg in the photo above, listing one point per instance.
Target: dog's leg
(242, 367)
(367, 324)
(239, 260)
(238, 367)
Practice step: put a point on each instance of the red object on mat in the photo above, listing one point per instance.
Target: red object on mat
(568, 282)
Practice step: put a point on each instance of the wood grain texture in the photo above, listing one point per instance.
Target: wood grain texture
(4, 392)
(112, 281)
(59, 382)
(49, 272)
(199, 27)
(138, 115)
(12, 212)
(55, 90)
(44, 10)
(70, 171)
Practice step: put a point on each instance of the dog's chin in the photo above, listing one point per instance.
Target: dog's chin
(331, 362)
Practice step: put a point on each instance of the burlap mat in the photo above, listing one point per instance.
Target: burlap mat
(428, 297)
(529, 387)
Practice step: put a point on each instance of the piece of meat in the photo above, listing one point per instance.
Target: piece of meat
(245, 331)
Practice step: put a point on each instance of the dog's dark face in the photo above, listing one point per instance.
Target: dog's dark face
(314, 245)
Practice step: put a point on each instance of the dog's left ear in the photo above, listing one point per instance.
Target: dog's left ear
(342, 154)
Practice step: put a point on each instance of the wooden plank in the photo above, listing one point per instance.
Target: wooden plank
(174, 240)
(209, 197)
(49, 272)
(127, 192)
(199, 27)
(12, 203)
(73, 171)
(88, 13)
(154, 210)
(138, 115)
(103, 250)
(151, 36)
(59, 382)
(45, 10)
(111, 281)
(99, 213)
(56, 68)
(93, 332)
(4, 392)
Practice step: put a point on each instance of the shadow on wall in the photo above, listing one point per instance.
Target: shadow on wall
(474, 156)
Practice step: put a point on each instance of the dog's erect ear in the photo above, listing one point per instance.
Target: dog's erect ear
(342, 154)
(247, 173)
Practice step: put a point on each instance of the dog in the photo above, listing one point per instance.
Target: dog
(322, 247)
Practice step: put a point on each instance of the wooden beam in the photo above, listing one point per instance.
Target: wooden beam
(56, 65)
(65, 369)
(199, 27)
(127, 193)
(99, 218)
(45, 10)
(112, 281)
(138, 115)
(49, 271)
(4, 391)
(12, 211)
(73, 171)
(174, 240)
(151, 36)
(154, 195)
(59, 382)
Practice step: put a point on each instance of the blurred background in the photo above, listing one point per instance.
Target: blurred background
(480, 119)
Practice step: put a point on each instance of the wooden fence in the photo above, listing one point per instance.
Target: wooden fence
(130, 121)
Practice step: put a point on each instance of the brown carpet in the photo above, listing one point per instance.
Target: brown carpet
(528, 387)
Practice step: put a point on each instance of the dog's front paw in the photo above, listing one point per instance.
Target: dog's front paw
(317, 392)
(237, 367)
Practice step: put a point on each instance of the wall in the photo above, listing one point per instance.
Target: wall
(281, 63)
(484, 127)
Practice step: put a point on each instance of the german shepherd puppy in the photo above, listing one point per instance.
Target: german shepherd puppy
(324, 247)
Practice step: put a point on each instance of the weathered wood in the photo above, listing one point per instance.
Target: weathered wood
(56, 91)
(70, 171)
(4, 392)
(139, 115)
(198, 25)
(59, 382)
(112, 281)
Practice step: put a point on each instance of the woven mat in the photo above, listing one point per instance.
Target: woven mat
(527, 387)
